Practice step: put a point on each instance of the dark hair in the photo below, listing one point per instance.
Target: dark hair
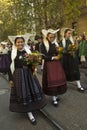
(19, 38)
(38, 37)
(67, 30)
(48, 34)
(83, 36)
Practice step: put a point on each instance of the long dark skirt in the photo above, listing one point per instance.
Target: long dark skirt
(4, 63)
(26, 95)
(71, 68)
(53, 80)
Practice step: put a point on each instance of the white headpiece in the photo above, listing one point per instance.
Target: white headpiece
(62, 35)
(14, 49)
(3, 43)
(45, 32)
(63, 30)
(3, 50)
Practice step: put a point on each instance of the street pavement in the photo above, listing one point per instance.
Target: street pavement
(71, 114)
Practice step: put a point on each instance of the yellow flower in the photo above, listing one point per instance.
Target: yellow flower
(60, 49)
(33, 59)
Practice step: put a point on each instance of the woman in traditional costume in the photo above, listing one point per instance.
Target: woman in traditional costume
(26, 94)
(70, 61)
(4, 58)
(53, 79)
(83, 51)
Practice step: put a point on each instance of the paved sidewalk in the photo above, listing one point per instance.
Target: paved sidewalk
(71, 113)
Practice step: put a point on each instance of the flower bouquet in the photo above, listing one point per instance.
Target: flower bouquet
(72, 49)
(60, 51)
(33, 58)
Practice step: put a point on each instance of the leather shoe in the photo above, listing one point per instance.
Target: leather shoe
(55, 103)
(33, 121)
(81, 89)
(57, 99)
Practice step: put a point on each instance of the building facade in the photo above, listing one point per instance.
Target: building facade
(82, 21)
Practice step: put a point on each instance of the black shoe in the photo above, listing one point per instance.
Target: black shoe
(33, 121)
(57, 99)
(55, 103)
(81, 89)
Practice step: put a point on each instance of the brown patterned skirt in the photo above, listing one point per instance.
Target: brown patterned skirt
(26, 95)
(53, 80)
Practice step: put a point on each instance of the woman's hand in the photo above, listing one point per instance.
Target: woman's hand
(26, 55)
(56, 57)
(11, 84)
(30, 57)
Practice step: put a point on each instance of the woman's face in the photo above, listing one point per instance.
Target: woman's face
(19, 43)
(68, 34)
(86, 37)
(51, 37)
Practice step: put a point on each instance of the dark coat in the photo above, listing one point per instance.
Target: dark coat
(70, 64)
(48, 55)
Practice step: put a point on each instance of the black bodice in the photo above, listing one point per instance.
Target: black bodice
(19, 62)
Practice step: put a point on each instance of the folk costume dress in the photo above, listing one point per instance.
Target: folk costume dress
(69, 62)
(53, 79)
(26, 94)
(4, 61)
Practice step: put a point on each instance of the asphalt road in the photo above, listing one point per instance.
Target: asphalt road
(71, 114)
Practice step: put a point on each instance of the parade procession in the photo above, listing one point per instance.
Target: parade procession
(43, 65)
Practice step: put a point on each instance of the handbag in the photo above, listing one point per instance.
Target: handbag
(83, 59)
